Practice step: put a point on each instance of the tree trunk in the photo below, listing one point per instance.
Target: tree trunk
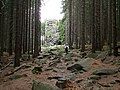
(93, 29)
(18, 35)
(11, 27)
(69, 23)
(115, 52)
(110, 26)
(37, 28)
(83, 26)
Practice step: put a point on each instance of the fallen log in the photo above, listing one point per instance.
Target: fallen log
(15, 70)
(6, 66)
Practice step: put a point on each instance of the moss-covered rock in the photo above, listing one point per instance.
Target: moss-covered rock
(37, 70)
(40, 86)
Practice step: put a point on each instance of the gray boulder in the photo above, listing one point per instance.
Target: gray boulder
(40, 86)
(86, 63)
(105, 71)
(76, 67)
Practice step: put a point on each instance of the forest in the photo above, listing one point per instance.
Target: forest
(86, 56)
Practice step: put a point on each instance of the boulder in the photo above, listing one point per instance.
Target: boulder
(48, 69)
(93, 55)
(118, 80)
(68, 57)
(76, 59)
(53, 57)
(61, 83)
(54, 52)
(71, 76)
(94, 77)
(41, 86)
(102, 55)
(40, 57)
(54, 63)
(40, 61)
(14, 77)
(56, 77)
(46, 54)
(83, 54)
(1, 64)
(76, 67)
(37, 70)
(25, 57)
(53, 49)
(89, 83)
(105, 71)
(86, 63)
(5, 58)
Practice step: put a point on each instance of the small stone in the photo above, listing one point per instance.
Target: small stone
(112, 82)
(40, 57)
(46, 55)
(55, 70)
(56, 77)
(118, 81)
(61, 79)
(78, 81)
(94, 77)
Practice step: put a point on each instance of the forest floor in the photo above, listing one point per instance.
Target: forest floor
(55, 70)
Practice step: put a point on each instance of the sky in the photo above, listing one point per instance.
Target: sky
(51, 9)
